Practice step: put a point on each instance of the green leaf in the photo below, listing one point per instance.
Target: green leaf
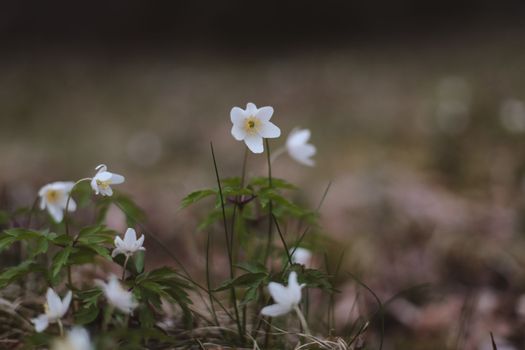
(262, 182)
(86, 315)
(60, 260)
(253, 267)
(138, 261)
(12, 274)
(196, 196)
(246, 280)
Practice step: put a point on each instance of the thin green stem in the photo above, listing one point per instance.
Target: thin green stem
(304, 324)
(208, 280)
(124, 267)
(107, 318)
(267, 252)
(287, 251)
(60, 327)
(232, 289)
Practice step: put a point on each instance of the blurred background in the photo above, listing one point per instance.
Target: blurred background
(417, 110)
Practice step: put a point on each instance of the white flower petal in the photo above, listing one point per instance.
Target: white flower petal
(238, 132)
(72, 205)
(298, 137)
(269, 130)
(116, 252)
(237, 115)
(53, 302)
(117, 179)
(94, 185)
(280, 293)
(275, 310)
(65, 303)
(56, 212)
(251, 109)
(294, 288)
(254, 143)
(41, 323)
(130, 237)
(264, 113)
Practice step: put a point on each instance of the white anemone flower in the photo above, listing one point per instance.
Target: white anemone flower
(76, 339)
(102, 181)
(286, 298)
(129, 245)
(298, 147)
(55, 309)
(301, 256)
(253, 124)
(53, 197)
(116, 295)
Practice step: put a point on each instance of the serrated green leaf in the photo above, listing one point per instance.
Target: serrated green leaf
(60, 260)
(196, 196)
(246, 280)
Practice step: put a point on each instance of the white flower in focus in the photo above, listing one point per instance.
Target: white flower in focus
(116, 295)
(53, 197)
(286, 298)
(102, 181)
(129, 245)
(252, 125)
(298, 147)
(76, 339)
(301, 256)
(55, 309)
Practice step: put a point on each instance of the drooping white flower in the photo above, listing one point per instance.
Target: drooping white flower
(102, 181)
(53, 197)
(76, 339)
(253, 124)
(298, 147)
(129, 245)
(286, 298)
(301, 256)
(116, 295)
(55, 309)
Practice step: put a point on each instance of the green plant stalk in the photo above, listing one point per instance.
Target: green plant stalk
(230, 258)
(267, 252)
(107, 318)
(66, 223)
(124, 267)
(304, 324)
(60, 327)
(208, 280)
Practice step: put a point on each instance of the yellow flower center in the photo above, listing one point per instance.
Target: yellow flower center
(46, 308)
(52, 196)
(252, 125)
(103, 184)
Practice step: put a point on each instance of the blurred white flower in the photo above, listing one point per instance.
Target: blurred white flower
(55, 309)
(286, 298)
(102, 181)
(76, 339)
(301, 256)
(53, 197)
(298, 147)
(116, 295)
(252, 125)
(129, 245)
(512, 115)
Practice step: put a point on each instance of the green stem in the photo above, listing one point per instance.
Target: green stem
(60, 327)
(304, 324)
(66, 223)
(107, 318)
(124, 268)
(230, 257)
(267, 252)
